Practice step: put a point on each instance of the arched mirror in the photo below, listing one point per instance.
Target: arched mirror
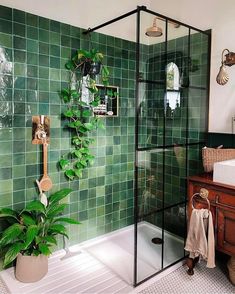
(173, 88)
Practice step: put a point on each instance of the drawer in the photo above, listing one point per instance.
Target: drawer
(225, 199)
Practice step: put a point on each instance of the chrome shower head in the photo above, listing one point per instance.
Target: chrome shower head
(154, 31)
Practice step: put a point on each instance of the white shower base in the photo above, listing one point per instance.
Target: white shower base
(117, 251)
(105, 264)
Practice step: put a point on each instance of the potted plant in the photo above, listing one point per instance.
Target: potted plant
(31, 233)
(88, 62)
(80, 97)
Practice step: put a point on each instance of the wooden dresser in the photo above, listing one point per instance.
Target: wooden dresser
(222, 202)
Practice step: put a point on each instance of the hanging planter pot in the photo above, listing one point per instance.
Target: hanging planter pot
(91, 68)
(95, 68)
(32, 268)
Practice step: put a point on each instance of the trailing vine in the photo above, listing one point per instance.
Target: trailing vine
(81, 96)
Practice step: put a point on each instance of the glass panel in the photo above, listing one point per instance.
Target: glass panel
(198, 92)
(150, 181)
(152, 49)
(195, 159)
(177, 80)
(149, 244)
(175, 175)
(174, 234)
(151, 115)
(198, 71)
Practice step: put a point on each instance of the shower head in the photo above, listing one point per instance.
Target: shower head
(154, 31)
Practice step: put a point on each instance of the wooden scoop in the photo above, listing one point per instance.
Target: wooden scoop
(45, 182)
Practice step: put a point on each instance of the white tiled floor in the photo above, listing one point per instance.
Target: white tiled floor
(84, 274)
(204, 281)
(78, 274)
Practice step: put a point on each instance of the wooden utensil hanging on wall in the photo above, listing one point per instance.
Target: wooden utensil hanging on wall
(45, 182)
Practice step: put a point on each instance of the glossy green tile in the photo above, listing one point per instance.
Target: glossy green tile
(32, 58)
(19, 171)
(6, 186)
(32, 20)
(5, 26)
(6, 13)
(6, 199)
(44, 60)
(19, 29)
(55, 26)
(44, 23)
(6, 40)
(19, 16)
(19, 197)
(20, 69)
(44, 36)
(32, 46)
(44, 48)
(19, 43)
(54, 38)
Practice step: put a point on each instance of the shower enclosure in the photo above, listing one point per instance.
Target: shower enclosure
(166, 78)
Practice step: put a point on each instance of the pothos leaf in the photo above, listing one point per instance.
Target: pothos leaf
(78, 172)
(70, 174)
(68, 113)
(64, 163)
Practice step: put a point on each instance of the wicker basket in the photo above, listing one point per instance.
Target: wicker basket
(212, 155)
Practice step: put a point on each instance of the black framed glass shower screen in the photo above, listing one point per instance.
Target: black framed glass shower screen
(172, 87)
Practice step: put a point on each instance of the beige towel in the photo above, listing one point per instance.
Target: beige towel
(200, 240)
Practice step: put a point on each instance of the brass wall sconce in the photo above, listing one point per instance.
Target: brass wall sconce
(222, 77)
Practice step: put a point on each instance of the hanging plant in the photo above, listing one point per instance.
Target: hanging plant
(81, 96)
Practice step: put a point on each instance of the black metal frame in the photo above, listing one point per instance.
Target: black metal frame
(137, 111)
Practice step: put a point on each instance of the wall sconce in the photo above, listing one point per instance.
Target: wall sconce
(222, 77)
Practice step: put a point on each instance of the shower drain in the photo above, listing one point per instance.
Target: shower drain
(157, 241)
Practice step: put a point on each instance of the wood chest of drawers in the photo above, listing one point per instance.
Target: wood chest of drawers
(222, 204)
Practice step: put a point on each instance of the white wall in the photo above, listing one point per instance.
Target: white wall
(203, 14)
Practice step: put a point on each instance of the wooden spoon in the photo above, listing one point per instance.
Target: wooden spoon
(45, 182)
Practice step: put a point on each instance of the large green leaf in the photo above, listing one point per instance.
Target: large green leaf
(7, 212)
(57, 229)
(44, 249)
(56, 209)
(10, 234)
(56, 197)
(31, 233)
(67, 220)
(49, 239)
(12, 253)
(35, 205)
(27, 219)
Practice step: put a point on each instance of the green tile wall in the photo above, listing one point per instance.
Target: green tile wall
(33, 51)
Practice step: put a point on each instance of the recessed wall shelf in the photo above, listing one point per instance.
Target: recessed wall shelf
(109, 101)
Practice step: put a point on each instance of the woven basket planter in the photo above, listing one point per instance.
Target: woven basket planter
(212, 155)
